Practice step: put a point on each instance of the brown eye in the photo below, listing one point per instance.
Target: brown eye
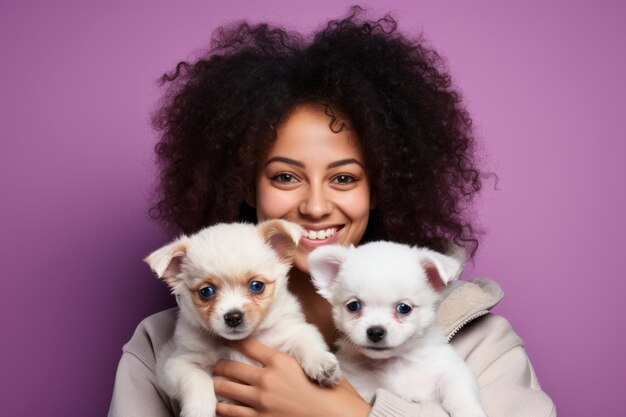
(284, 177)
(344, 179)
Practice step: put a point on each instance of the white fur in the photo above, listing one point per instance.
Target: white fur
(230, 251)
(412, 359)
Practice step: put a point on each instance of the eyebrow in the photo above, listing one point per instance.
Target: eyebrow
(335, 164)
(285, 160)
(344, 162)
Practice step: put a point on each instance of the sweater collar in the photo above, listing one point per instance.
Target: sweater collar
(465, 301)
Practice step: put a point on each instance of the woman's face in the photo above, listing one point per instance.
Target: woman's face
(317, 179)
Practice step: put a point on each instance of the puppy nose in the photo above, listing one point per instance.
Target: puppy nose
(233, 318)
(376, 333)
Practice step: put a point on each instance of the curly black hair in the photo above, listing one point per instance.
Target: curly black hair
(220, 113)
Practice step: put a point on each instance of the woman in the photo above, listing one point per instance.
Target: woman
(356, 135)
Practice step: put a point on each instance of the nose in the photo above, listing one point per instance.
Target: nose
(233, 318)
(316, 203)
(376, 333)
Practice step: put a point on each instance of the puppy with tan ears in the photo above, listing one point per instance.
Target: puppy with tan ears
(231, 283)
(384, 297)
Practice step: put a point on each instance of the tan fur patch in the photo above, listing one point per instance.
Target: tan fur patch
(255, 310)
(206, 308)
(259, 303)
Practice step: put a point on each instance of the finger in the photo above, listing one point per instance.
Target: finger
(235, 391)
(343, 383)
(242, 372)
(234, 410)
(256, 350)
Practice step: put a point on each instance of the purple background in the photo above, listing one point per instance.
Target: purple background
(543, 80)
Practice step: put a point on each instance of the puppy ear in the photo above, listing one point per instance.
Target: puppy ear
(282, 236)
(440, 269)
(166, 262)
(324, 266)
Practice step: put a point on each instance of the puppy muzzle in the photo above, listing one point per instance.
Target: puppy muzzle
(234, 318)
(376, 333)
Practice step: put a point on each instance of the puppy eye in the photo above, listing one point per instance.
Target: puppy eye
(206, 292)
(256, 287)
(403, 308)
(353, 306)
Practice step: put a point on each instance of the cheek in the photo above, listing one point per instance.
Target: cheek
(273, 204)
(205, 309)
(356, 205)
(258, 305)
(349, 322)
(426, 317)
(357, 210)
(400, 330)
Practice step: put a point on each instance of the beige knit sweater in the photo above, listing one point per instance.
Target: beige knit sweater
(508, 384)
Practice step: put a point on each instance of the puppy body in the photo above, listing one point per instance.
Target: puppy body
(231, 283)
(384, 297)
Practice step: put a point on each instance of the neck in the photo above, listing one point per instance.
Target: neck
(317, 310)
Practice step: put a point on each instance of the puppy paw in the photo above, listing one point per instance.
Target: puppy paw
(322, 368)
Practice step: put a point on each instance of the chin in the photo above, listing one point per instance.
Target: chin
(301, 261)
(378, 354)
(235, 335)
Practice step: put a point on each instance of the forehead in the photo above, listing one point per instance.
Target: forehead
(369, 277)
(229, 250)
(380, 274)
(306, 135)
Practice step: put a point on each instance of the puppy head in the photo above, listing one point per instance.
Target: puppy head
(227, 276)
(384, 295)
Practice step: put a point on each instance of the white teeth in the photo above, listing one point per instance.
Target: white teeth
(321, 234)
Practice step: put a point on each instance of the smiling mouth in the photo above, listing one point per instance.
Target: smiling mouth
(320, 234)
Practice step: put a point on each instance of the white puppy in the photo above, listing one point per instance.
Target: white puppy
(231, 283)
(384, 297)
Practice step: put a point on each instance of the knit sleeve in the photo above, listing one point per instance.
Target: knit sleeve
(136, 391)
(387, 404)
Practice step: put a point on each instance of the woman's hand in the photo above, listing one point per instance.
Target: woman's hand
(279, 388)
